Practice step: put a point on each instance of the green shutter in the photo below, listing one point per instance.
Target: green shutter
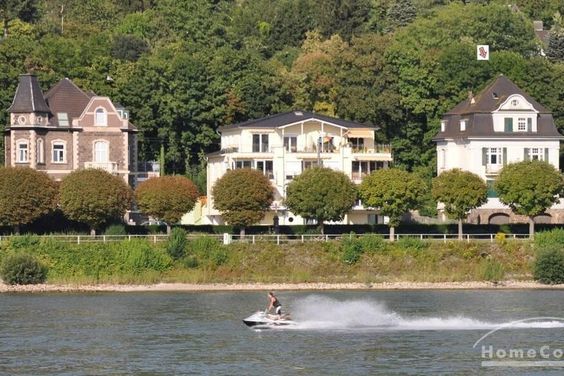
(509, 124)
(484, 156)
(504, 156)
(526, 154)
(529, 125)
(546, 154)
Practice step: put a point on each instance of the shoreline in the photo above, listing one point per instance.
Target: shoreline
(193, 287)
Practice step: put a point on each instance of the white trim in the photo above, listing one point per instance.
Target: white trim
(65, 151)
(40, 150)
(519, 97)
(105, 113)
(100, 140)
(19, 142)
(314, 119)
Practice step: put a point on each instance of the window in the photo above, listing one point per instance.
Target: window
(260, 143)
(266, 168)
(101, 152)
(101, 117)
(22, 152)
(514, 102)
(243, 164)
(463, 125)
(521, 124)
(40, 151)
(63, 118)
(309, 164)
(58, 152)
(291, 144)
(362, 168)
(357, 143)
(443, 125)
(495, 156)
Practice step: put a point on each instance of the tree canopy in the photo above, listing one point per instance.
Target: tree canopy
(94, 197)
(243, 196)
(25, 195)
(393, 192)
(529, 188)
(321, 194)
(459, 192)
(167, 197)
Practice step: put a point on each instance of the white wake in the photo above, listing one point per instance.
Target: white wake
(318, 312)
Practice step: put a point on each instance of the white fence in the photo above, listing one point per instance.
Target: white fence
(278, 239)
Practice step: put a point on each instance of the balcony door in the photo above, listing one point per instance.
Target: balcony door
(101, 152)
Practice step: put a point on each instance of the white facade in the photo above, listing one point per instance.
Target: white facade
(482, 141)
(284, 151)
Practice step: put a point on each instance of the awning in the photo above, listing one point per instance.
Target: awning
(360, 133)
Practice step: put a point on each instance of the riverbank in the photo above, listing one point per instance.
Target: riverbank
(191, 287)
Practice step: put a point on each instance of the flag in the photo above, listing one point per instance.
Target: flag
(483, 52)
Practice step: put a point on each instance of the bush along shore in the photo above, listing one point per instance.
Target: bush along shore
(366, 260)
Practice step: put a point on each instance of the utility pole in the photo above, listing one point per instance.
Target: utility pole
(62, 13)
(162, 160)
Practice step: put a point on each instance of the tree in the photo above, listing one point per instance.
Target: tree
(27, 10)
(94, 197)
(393, 192)
(401, 13)
(25, 195)
(242, 196)
(529, 188)
(459, 191)
(166, 198)
(321, 194)
(128, 47)
(555, 50)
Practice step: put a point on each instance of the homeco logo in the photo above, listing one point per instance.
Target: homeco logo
(545, 355)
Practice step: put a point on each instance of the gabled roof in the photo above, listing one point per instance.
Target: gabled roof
(292, 117)
(28, 97)
(65, 96)
(492, 96)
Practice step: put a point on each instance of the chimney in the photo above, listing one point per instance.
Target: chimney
(471, 97)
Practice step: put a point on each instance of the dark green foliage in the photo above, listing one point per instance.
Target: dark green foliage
(354, 247)
(352, 250)
(411, 243)
(128, 47)
(190, 262)
(401, 13)
(177, 242)
(22, 269)
(115, 229)
(24, 241)
(550, 239)
(549, 265)
(555, 50)
(373, 243)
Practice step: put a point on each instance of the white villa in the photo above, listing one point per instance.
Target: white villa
(284, 145)
(500, 125)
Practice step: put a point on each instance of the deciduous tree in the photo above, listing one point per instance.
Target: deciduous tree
(94, 197)
(321, 194)
(243, 196)
(459, 191)
(393, 192)
(529, 188)
(25, 195)
(166, 198)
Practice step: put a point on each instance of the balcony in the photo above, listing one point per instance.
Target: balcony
(110, 167)
(378, 148)
(493, 168)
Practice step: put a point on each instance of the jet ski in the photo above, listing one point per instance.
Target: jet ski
(263, 320)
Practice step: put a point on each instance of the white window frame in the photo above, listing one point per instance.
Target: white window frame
(443, 125)
(243, 163)
(521, 124)
(63, 117)
(463, 125)
(103, 121)
(95, 151)
(498, 153)
(536, 154)
(269, 174)
(22, 154)
(291, 143)
(40, 152)
(264, 147)
(58, 155)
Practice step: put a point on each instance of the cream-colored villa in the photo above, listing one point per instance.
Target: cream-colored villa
(284, 145)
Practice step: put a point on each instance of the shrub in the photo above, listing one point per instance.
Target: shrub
(23, 269)
(549, 266)
(407, 242)
(550, 239)
(203, 246)
(116, 229)
(219, 256)
(176, 245)
(492, 271)
(190, 262)
(24, 241)
(352, 250)
(373, 243)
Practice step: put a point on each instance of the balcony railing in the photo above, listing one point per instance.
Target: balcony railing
(107, 166)
(378, 148)
(493, 168)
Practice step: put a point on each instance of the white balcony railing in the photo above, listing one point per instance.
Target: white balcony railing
(107, 166)
(493, 168)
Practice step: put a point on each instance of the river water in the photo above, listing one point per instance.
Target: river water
(338, 333)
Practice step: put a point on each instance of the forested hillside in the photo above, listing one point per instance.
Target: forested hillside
(185, 67)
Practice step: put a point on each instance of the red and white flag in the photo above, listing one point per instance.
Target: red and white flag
(483, 52)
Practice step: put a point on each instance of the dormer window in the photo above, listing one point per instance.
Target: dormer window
(443, 125)
(463, 125)
(101, 119)
(63, 118)
(521, 124)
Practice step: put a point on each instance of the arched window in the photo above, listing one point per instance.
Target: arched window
(101, 117)
(101, 152)
(40, 151)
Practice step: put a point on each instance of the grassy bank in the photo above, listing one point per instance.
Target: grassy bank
(365, 260)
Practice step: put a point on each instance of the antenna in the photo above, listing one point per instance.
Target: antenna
(62, 13)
